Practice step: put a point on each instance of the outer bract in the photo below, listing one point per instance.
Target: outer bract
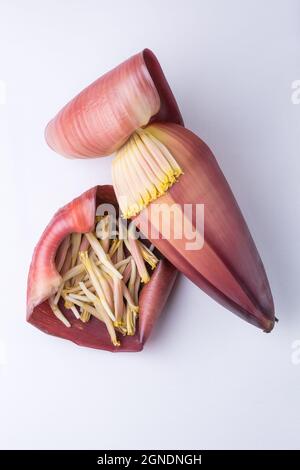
(100, 119)
(228, 267)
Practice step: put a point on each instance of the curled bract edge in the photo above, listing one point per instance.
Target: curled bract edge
(101, 118)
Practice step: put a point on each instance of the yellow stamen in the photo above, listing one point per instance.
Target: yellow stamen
(99, 312)
(85, 316)
(68, 304)
(143, 170)
(102, 256)
(114, 246)
(94, 279)
(134, 248)
(58, 313)
(148, 256)
(75, 244)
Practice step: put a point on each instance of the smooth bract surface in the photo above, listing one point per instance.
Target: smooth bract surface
(100, 119)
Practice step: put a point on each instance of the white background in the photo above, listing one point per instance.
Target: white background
(205, 379)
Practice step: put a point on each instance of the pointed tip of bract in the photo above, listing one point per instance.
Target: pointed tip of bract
(268, 325)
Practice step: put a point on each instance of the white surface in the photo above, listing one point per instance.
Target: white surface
(205, 379)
